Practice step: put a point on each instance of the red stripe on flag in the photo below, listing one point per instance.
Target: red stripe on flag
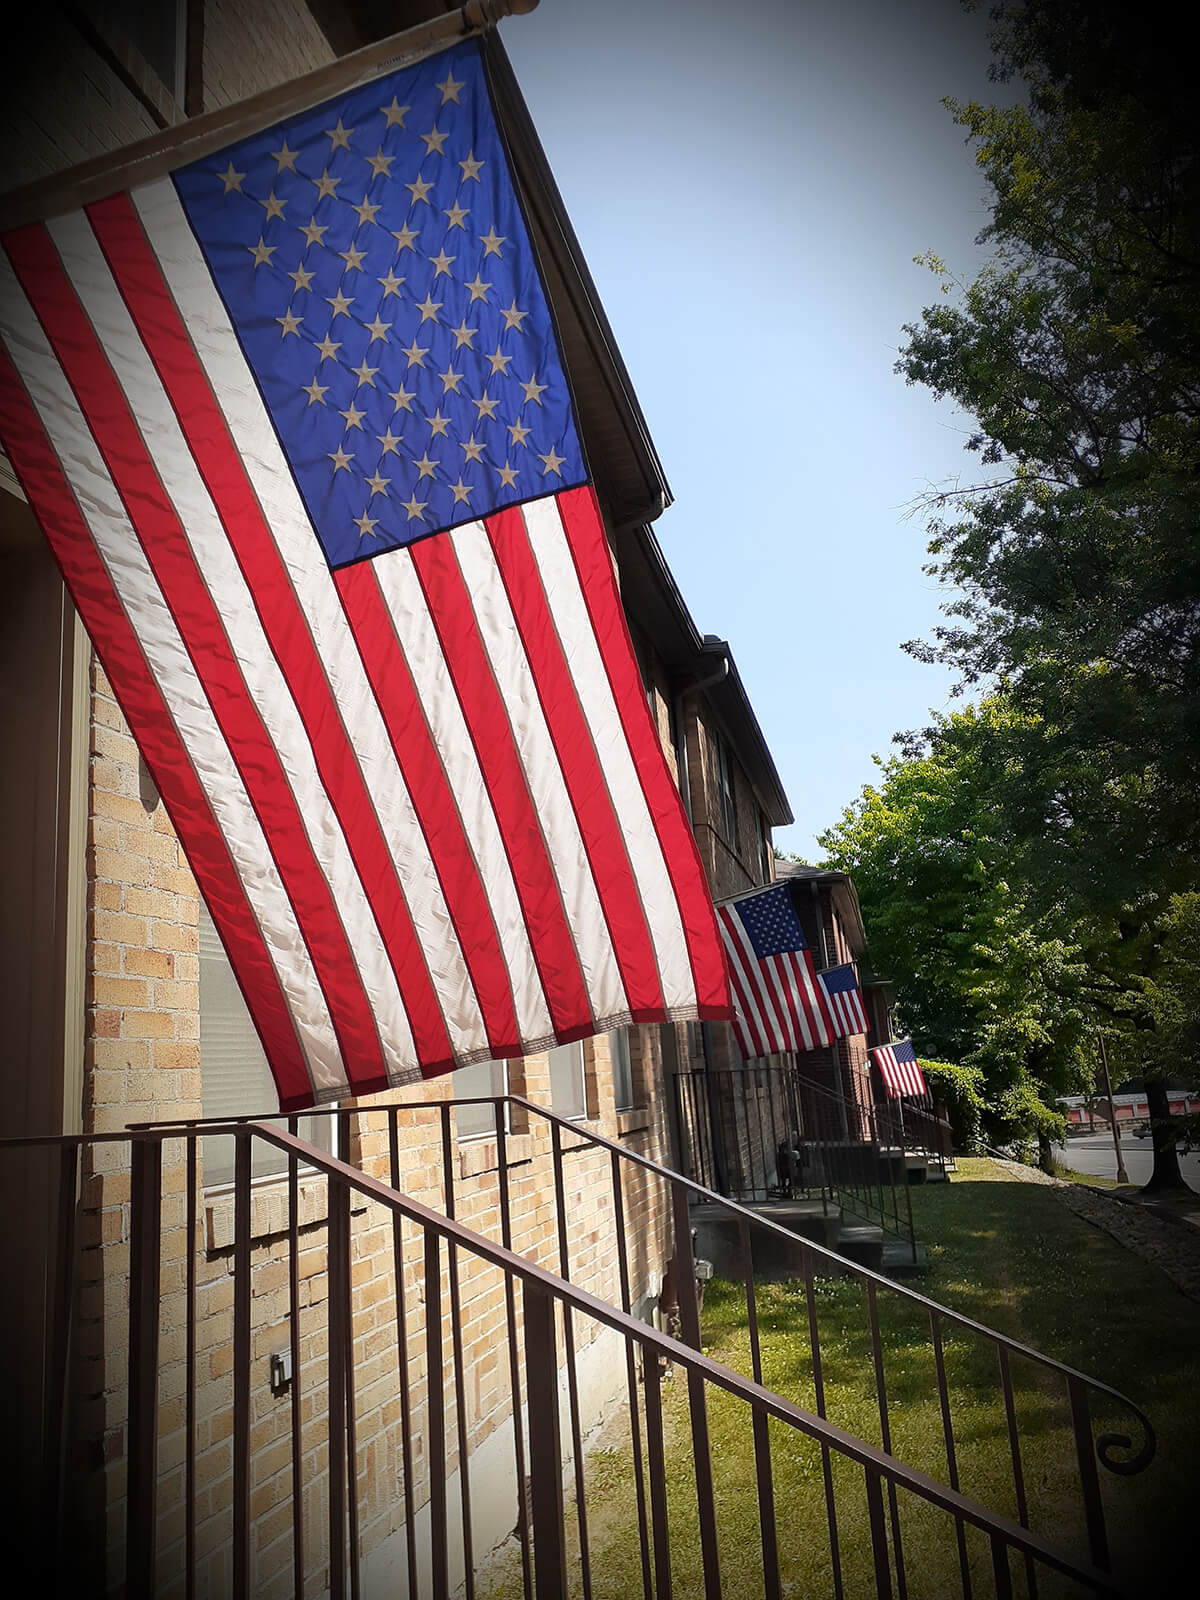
(787, 994)
(603, 840)
(433, 799)
(146, 712)
(116, 433)
(816, 1009)
(593, 563)
(820, 999)
(441, 580)
(149, 301)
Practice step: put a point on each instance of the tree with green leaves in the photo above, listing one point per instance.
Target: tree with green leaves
(982, 978)
(1073, 560)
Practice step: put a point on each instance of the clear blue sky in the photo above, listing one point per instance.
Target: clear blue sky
(750, 182)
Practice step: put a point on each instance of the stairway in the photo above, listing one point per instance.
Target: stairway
(362, 1390)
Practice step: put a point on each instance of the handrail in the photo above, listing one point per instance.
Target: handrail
(542, 1289)
(847, 1444)
(754, 1220)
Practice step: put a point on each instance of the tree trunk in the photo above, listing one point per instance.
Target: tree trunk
(1166, 1174)
(1045, 1154)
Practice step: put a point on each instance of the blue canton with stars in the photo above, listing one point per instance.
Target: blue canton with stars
(374, 261)
(771, 921)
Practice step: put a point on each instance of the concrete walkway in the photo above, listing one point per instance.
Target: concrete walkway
(1165, 1233)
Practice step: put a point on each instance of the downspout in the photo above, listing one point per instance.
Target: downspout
(716, 1142)
(840, 1102)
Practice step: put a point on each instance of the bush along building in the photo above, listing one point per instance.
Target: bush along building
(364, 1346)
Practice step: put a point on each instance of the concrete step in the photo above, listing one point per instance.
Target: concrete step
(717, 1236)
(861, 1242)
(916, 1168)
(898, 1258)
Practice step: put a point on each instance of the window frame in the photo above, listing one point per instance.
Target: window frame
(583, 1114)
(320, 1131)
(727, 792)
(499, 1066)
(637, 1091)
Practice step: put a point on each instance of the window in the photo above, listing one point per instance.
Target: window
(235, 1079)
(727, 794)
(482, 1077)
(568, 1091)
(157, 30)
(622, 1070)
(765, 859)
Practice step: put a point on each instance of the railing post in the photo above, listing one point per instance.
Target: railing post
(545, 1447)
(1089, 1479)
(241, 1365)
(57, 1393)
(141, 1484)
(340, 1354)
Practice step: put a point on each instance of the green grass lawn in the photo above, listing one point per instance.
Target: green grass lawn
(1010, 1255)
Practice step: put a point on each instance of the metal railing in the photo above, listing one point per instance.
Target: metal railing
(791, 1139)
(917, 1129)
(539, 1162)
(226, 1491)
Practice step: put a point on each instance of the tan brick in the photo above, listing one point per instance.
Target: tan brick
(175, 880)
(119, 991)
(118, 1054)
(102, 835)
(148, 1024)
(106, 957)
(106, 1024)
(152, 903)
(150, 963)
(112, 776)
(176, 1055)
(174, 996)
(113, 744)
(120, 929)
(169, 936)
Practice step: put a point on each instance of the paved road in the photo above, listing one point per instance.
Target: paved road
(1094, 1154)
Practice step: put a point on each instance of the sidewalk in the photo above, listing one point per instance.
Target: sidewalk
(1165, 1232)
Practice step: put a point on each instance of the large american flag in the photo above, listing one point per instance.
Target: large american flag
(778, 1003)
(295, 423)
(845, 1000)
(897, 1063)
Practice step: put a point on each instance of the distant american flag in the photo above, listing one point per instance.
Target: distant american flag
(845, 1000)
(295, 423)
(778, 1003)
(899, 1070)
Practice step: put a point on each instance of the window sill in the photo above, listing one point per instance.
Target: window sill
(635, 1120)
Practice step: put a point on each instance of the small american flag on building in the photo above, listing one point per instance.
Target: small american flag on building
(898, 1068)
(845, 1000)
(294, 420)
(778, 1003)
